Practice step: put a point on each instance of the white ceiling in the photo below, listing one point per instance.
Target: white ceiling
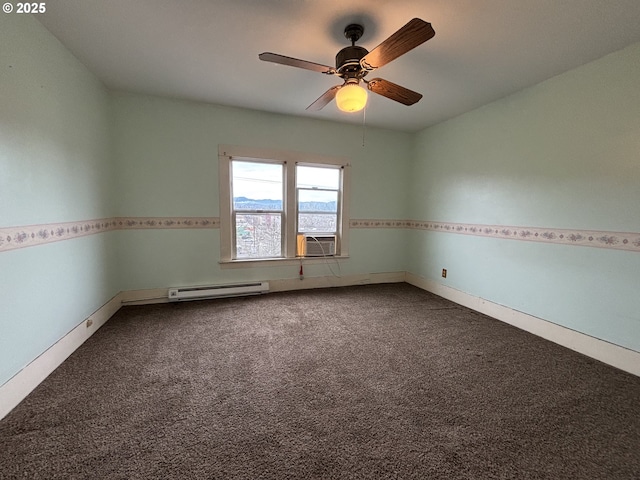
(207, 50)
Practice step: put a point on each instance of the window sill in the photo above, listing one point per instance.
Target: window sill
(278, 262)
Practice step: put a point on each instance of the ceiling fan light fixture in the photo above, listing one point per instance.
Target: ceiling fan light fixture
(351, 98)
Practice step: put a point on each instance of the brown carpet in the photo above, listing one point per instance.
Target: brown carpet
(380, 381)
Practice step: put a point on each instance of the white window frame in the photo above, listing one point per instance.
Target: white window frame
(290, 159)
(281, 212)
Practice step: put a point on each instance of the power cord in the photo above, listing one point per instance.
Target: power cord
(326, 259)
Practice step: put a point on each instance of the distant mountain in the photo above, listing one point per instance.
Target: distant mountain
(244, 203)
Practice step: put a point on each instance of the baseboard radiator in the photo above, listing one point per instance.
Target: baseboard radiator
(217, 291)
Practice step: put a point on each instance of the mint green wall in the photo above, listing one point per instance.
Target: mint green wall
(563, 154)
(166, 154)
(54, 167)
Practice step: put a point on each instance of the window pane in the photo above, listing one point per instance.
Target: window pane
(317, 222)
(308, 177)
(258, 235)
(317, 201)
(256, 186)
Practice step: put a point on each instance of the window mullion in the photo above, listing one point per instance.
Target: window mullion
(290, 210)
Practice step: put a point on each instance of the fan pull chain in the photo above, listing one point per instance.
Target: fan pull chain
(364, 128)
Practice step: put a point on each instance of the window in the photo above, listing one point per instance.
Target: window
(258, 209)
(318, 191)
(273, 204)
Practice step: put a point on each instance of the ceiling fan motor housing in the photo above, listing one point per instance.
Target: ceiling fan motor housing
(348, 59)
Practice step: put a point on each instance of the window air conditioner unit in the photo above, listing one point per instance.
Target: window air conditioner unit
(319, 246)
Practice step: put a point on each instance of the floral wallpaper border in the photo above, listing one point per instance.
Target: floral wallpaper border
(586, 238)
(12, 238)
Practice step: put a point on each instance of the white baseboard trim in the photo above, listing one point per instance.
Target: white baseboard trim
(160, 295)
(145, 297)
(22, 383)
(606, 352)
(289, 284)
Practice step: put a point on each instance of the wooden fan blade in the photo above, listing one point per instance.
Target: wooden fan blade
(295, 62)
(414, 33)
(394, 92)
(324, 99)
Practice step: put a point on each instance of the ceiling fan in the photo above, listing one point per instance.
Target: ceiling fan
(354, 63)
